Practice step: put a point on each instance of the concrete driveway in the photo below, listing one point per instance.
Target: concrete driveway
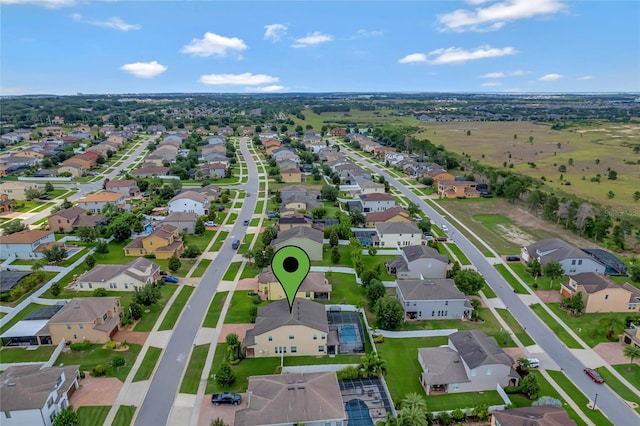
(96, 391)
(208, 411)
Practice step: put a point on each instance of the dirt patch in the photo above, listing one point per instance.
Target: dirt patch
(239, 329)
(549, 296)
(96, 391)
(227, 413)
(611, 352)
(515, 235)
(137, 337)
(248, 284)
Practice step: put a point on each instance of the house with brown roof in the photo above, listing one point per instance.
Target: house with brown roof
(541, 415)
(17, 190)
(150, 170)
(25, 244)
(35, 394)
(136, 273)
(163, 243)
(184, 221)
(292, 176)
(393, 214)
(287, 222)
(457, 188)
(314, 287)
(128, 188)
(95, 203)
(437, 173)
(74, 170)
(69, 219)
(293, 399)
(308, 239)
(301, 331)
(93, 319)
(600, 294)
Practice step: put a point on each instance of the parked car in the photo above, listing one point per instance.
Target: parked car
(226, 398)
(170, 279)
(246, 222)
(209, 223)
(594, 375)
(220, 208)
(513, 258)
(445, 228)
(440, 239)
(533, 362)
(44, 197)
(271, 215)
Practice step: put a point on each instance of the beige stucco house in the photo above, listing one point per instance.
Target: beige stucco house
(397, 235)
(314, 287)
(16, 190)
(93, 319)
(600, 294)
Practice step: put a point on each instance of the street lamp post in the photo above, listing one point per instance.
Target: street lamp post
(594, 403)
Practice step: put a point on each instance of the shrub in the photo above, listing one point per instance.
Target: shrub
(512, 389)
(118, 361)
(378, 339)
(256, 299)
(98, 370)
(458, 415)
(55, 289)
(100, 292)
(82, 375)
(110, 345)
(348, 373)
(444, 418)
(253, 313)
(82, 346)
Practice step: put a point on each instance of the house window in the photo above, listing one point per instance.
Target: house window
(7, 414)
(456, 386)
(294, 349)
(277, 350)
(90, 285)
(573, 262)
(68, 326)
(104, 317)
(307, 294)
(489, 371)
(315, 337)
(81, 326)
(320, 348)
(433, 313)
(323, 337)
(474, 373)
(606, 296)
(81, 286)
(291, 337)
(446, 303)
(126, 285)
(580, 262)
(270, 338)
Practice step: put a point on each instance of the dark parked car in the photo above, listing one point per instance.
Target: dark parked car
(441, 239)
(513, 258)
(44, 197)
(226, 398)
(246, 222)
(170, 279)
(220, 208)
(594, 375)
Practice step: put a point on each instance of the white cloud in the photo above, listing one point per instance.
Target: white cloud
(49, 4)
(491, 84)
(312, 39)
(413, 58)
(246, 79)
(585, 77)
(550, 77)
(496, 15)
(274, 31)
(512, 89)
(114, 23)
(213, 45)
(268, 89)
(459, 55)
(144, 69)
(501, 74)
(368, 33)
(8, 90)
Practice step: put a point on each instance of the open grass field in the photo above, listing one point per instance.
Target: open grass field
(376, 117)
(493, 143)
(148, 364)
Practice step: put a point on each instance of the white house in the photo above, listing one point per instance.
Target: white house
(376, 202)
(136, 273)
(397, 235)
(572, 259)
(25, 244)
(190, 202)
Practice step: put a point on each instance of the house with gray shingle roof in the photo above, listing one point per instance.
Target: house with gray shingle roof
(418, 262)
(434, 299)
(136, 273)
(572, 259)
(190, 202)
(308, 239)
(397, 235)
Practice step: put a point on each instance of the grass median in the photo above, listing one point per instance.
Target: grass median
(559, 331)
(177, 306)
(515, 326)
(191, 379)
(215, 308)
(148, 364)
(513, 281)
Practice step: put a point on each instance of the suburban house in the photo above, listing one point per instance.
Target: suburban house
(457, 188)
(393, 214)
(314, 287)
(632, 336)
(17, 190)
(311, 399)
(418, 262)
(93, 319)
(369, 187)
(301, 331)
(163, 243)
(471, 362)
(292, 175)
(136, 273)
(572, 259)
(397, 234)
(35, 394)
(437, 173)
(184, 221)
(296, 190)
(69, 219)
(376, 202)
(150, 170)
(215, 170)
(432, 299)
(95, 203)
(308, 239)
(74, 170)
(128, 188)
(541, 415)
(25, 244)
(190, 202)
(600, 294)
(216, 139)
(287, 222)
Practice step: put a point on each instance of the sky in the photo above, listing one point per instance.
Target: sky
(99, 47)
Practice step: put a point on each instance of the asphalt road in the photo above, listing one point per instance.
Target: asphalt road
(157, 404)
(608, 402)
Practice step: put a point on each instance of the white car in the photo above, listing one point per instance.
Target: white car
(210, 224)
(445, 228)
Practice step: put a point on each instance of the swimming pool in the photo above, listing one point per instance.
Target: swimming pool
(357, 413)
(71, 252)
(348, 333)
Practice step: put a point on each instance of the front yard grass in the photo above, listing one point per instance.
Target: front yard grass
(124, 416)
(591, 328)
(580, 399)
(202, 266)
(96, 355)
(488, 292)
(199, 241)
(232, 271)
(148, 364)
(618, 387)
(247, 367)
(238, 312)
(222, 237)
(542, 283)
(513, 281)
(464, 260)
(403, 369)
(632, 376)
(21, 354)
(171, 318)
(91, 416)
(185, 266)
(559, 331)
(515, 326)
(215, 308)
(250, 271)
(149, 319)
(191, 379)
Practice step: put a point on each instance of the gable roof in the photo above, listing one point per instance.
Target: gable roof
(299, 232)
(137, 269)
(24, 237)
(70, 213)
(120, 183)
(164, 231)
(423, 252)
(376, 196)
(476, 349)
(442, 366)
(190, 195)
(28, 387)
(387, 214)
(101, 197)
(397, 228)
(314, 281)
(431, 289)
(83, 309)
(180, 217)
(555, 249)
(541, 415)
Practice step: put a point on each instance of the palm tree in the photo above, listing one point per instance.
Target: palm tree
(249, 255)
(631, 351)
(413, 399)
(373, 365)
(37, 265)
(503, 336)
(412, 416)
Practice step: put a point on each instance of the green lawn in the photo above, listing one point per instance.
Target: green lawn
(345, 289)
(191, 379)
(246, 242)
(322, 360)
(124, 416)
(96, 355)
(580, 399)
(171, 318)
(116, 254)
(591, 328)
(464, 260)
(232, 271)
(93, 416)
(618, 387)
(202, 266)
(494, 225)
(232, 218)
(238, 312)
(546, 389)
(20, 315)
(542, 283)
(200, 241)
(488, 292)
(149, 319)
(462, 400)
(255, 222)
(215, 308)
(562, 334)
(515, 326)
(185, 266)
(148, 364)
(632, 376)
(222, 237)
(250, 271)
(247, 367)
(21, 354)
(403, 369)
(513, 281)
(259, 206)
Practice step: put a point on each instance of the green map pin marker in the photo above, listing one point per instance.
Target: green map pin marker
(290, 265)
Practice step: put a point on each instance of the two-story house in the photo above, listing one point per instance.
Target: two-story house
(292, 175)
(136, 273)
(314, 287)
(433, 299)
(572, 259)
(128, 188)
(600, 294)
(93, 319)
(25, 244)
(376, 202)
(69, 219)
(190, 202)
(308, 239)
(95, 203)
(17, 190)
(457, 188)
(397, 235)
(418, 262)
(163, 243)
(393, 214)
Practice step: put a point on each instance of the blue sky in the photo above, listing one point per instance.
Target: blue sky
(70, 46)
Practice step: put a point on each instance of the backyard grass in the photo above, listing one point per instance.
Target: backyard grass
(21, 354)
(48, 276)
(96, 355)
(579, 398)
(462, 400)
(124, 416)
(559, 331)
(246, 368)
(191, 379)
(202, 266)
(149, 319)
(591, 328)
(513, 281)
(515, 326)
(148, 364)
(464, 260)
(345, 289)
(171, 318)
(92, 416)
(222, 237)
(632, 376)
(618, 387)
(20, 315)
(401, 356)
(215, 308)
(232, 271)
